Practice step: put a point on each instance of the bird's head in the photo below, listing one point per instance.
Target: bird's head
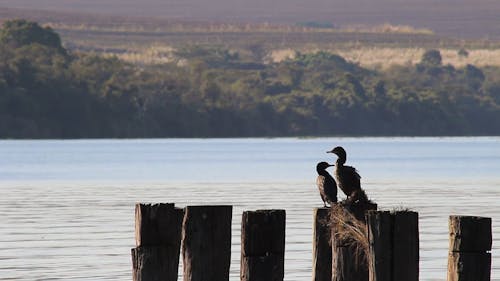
(322, 166)
(339, 151)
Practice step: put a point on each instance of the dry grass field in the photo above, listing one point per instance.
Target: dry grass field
(369, 57)
(472, 19)
(385, 57)
(144, 40)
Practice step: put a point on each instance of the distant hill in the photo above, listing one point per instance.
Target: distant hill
(47, 91)
(468, 19)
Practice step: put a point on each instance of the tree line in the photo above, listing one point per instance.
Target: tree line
(46, 91)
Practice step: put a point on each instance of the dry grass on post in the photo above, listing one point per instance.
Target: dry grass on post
(350, 232)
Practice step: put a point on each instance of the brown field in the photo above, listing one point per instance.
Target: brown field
(153, 40)
(477, 19)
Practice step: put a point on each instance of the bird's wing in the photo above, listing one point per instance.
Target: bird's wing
(320, 182)
(354, 176)
(330, 189)
(353, 171)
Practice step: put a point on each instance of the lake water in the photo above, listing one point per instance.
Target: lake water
(67, 207)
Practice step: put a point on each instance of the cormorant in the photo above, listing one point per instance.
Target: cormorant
(326, 184)
(347, 177)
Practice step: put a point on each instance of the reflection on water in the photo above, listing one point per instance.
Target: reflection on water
(62, 217)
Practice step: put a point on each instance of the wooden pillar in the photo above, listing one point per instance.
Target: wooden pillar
(322, 250)
(394, 245)
(158, 238)
(263, 245)
(206, 243)
(349, 261)
(470, 245)
(406, 246)
(380, 226)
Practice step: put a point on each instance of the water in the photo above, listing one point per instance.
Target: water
(67, 207)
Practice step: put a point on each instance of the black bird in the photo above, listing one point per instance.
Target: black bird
(347, 177)
(326, 184)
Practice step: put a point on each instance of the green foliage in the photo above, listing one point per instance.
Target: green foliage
(324, 61)
(17, 33)
(46, 93)
(462, 52)
(432, 58)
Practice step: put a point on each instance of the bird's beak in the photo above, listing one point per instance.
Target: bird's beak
(331, 165)
(331, 151)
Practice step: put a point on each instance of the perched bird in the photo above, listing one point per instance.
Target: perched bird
(326, 185)
(347, 177)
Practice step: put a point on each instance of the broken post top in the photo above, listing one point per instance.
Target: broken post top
(263, 232)
(470, 234)
(208, 207)
(203, 218)
(157, 224)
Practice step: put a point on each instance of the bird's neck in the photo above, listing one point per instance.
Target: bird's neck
(323, 173)
(340, 161)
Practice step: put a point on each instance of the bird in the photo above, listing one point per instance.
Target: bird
(347, 178)
(326, 184)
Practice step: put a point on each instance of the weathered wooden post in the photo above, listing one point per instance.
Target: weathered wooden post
(206, 243)
(380, 226)
(406, 246)
(394, 245)
(263, 245)
(158, 239)
(322, 251)
(349, 241)
(470, 245)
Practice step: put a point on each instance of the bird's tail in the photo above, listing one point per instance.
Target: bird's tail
(360, 196)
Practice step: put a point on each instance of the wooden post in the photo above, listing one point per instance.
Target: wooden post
(394, 245)
(348, 262)
(322, 250)
(380, 225)
(158, 238)
(470, 243)
(263, 245)
(406, 246)
(206, 243)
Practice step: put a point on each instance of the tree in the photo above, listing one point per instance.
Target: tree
(474, 77)
(19, 32)
(48, 94)
(463, 53)
(432, 58)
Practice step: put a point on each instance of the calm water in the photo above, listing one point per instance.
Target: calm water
(67, 207)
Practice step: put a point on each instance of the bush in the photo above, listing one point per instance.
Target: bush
(431, 58)
(17, 33)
